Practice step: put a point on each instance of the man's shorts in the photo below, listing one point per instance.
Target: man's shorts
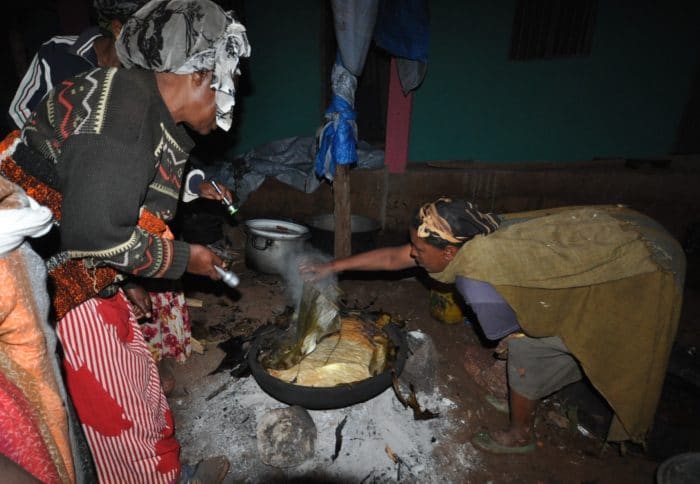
(538, 367)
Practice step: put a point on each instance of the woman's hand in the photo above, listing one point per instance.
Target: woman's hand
(140, 301)
(313, 271)
(207, 190)
(202, 262)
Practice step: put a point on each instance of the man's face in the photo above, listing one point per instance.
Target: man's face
(431, 258)
(202, 106)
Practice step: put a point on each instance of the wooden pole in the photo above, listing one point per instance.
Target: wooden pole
(342, 211)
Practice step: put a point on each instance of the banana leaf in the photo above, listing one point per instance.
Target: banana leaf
(318, 316)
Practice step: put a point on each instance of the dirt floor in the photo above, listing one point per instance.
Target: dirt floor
(568, 450)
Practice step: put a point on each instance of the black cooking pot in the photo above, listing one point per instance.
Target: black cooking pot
(324, 398)
(363, 232)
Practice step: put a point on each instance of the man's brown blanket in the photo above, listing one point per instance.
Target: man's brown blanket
(605, 279)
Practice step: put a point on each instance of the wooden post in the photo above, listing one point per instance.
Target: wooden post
(342, 211)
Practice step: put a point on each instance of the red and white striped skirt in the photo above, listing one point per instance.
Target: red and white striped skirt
(114, 384)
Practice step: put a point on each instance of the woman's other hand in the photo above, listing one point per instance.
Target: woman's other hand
(140, 301)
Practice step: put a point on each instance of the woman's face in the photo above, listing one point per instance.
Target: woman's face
(431, 258)
(202, 111)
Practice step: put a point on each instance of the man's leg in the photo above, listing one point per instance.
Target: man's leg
(537, 367)
(522, 421)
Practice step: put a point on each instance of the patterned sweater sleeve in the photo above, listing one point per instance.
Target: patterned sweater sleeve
(102, 197)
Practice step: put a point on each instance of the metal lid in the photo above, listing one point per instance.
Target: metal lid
(276, 229)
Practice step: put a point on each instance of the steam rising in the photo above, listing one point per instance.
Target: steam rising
(294, 281)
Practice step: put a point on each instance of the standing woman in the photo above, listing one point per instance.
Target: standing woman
(106, 152)
(163, 314)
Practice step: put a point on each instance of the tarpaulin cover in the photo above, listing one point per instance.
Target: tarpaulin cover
(289, 160)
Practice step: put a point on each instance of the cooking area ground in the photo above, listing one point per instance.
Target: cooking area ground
(219, 414)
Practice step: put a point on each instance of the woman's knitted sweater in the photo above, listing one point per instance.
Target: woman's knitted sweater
(106, 141)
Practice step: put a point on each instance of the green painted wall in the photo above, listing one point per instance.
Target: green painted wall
(285, 73)
(625, 100)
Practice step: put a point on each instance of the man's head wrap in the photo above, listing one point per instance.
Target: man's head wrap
(108, 10)
(186, 36)
(452, 222)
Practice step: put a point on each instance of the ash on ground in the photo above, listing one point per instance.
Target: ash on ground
(381, 442)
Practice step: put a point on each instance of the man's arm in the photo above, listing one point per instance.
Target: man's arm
(384, 259)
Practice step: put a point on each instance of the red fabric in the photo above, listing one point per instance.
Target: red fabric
(20, 437)
(113, 311)
(96, 407)
(115, 387)
(167, 448)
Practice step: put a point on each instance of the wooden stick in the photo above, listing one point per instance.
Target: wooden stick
(194, 302)
(341, 198)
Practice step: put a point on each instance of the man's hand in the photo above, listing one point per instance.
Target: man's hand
(313, 272)
(140, 301)
(202, 262)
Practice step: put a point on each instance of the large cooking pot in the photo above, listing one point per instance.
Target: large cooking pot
(270, 244)
(324, 398)
(363, 232)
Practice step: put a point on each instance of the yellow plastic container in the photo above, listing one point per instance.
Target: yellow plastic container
(443, 306)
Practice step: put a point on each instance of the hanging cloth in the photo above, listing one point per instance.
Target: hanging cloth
(402, 29)
(354, 23)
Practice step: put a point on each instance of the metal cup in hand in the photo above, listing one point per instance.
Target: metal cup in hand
(228, 277)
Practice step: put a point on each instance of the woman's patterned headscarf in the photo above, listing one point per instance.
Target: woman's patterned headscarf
(454, 222)
(186, 36)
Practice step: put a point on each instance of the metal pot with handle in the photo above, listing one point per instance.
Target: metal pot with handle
(271, 244)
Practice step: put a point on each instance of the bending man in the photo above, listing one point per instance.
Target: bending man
(596, 290)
